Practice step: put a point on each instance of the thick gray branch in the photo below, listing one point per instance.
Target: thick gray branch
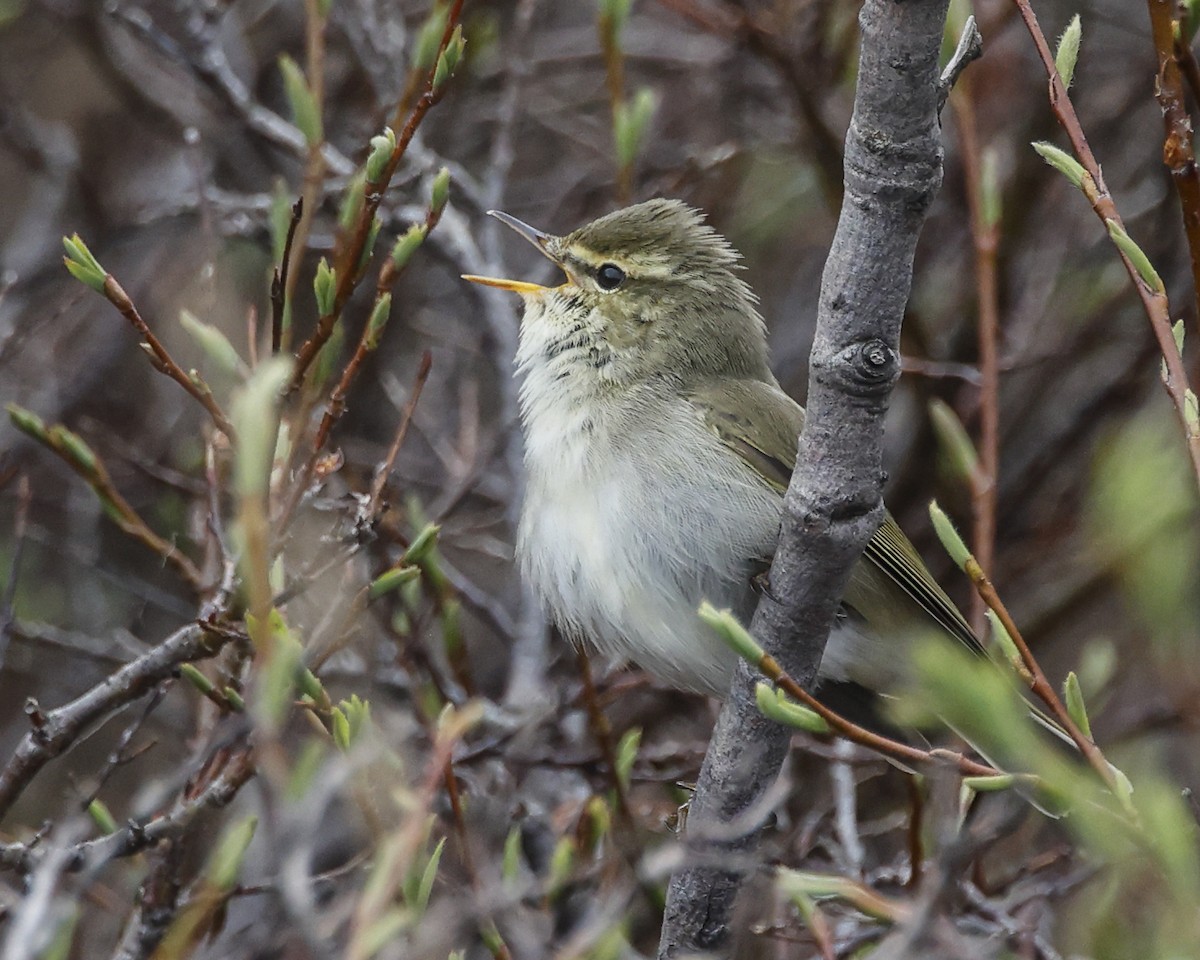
(55, 732)
(893, 169)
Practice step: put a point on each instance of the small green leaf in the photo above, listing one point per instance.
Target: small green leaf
(352, 201)
(407, 244)
(82, 265)
(1061, 161)
(325, 287)
(425, 889)
(102, 816)
(226, 862)
(1001, 638)
(732, 632)
(1068, 50)
(392, 579)
(774, 705)
(234, 699)
(439, 194)
(382, 147)
(255, 412)
(429, 38)
(280, 218)
(627, 751)
(512, 855)
(421, 545)
(1141, 263)
(340, 728)
(197, 679)
(990, 784)
(630, 121)
(953, 440)
(369, 244)
(951, 540)
(300, 97)
(449, 58)
(1073, 696)
(379, 318)
(214, 343)
(562, 864)
(71, 445)
(27, 422)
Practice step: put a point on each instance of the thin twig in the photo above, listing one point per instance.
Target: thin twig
(1154, 302)
(770, 668)
(985, 234)
(91, 468)
(1037, 678)
(602, 731)
(281, 280)
(385, 468)
(162, 361)
(350, 256)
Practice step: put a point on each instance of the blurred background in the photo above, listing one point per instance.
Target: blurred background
(161, 132)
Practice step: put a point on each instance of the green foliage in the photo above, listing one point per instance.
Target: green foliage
(952, 541)
(1068, 50)
(775, 705)
(1061, 161)
(82, 265)
(630, 123)
(305, 112)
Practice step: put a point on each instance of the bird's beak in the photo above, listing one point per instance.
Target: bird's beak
(534, 236)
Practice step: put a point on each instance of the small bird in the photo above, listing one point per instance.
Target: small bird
(659, 445)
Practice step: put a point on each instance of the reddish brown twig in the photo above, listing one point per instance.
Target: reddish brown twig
(614, 83)
(1178, 153)
(1154, 302)
(280, 281)
(1038, 683)
(770, 668)
(602, 731)
(385, 469)
(349, 258)
(162, 361)
(985, 234)
(83, 461)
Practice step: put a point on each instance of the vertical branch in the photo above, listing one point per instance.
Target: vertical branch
(985, 236)
(314, 166)
(1178, 152)
(834, 502)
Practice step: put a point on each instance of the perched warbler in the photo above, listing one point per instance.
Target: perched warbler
(659, 445)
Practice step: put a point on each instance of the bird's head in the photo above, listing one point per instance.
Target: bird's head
(650, 291)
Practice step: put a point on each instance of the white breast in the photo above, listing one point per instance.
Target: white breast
(622, 533)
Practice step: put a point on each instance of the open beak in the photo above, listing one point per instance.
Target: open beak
(534, 236)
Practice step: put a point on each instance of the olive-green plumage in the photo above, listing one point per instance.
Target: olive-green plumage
(659, 445)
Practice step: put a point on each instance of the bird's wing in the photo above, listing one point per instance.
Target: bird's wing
(761, 424)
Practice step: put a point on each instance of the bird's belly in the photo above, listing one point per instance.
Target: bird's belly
(622, 547)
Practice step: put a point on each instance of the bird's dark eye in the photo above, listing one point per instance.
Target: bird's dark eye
(609, 276)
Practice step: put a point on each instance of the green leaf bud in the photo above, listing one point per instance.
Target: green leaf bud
(325, 287)
(951, 540)
(1068, 50)
(1061, 161)
(407, 244)
(303, 103)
